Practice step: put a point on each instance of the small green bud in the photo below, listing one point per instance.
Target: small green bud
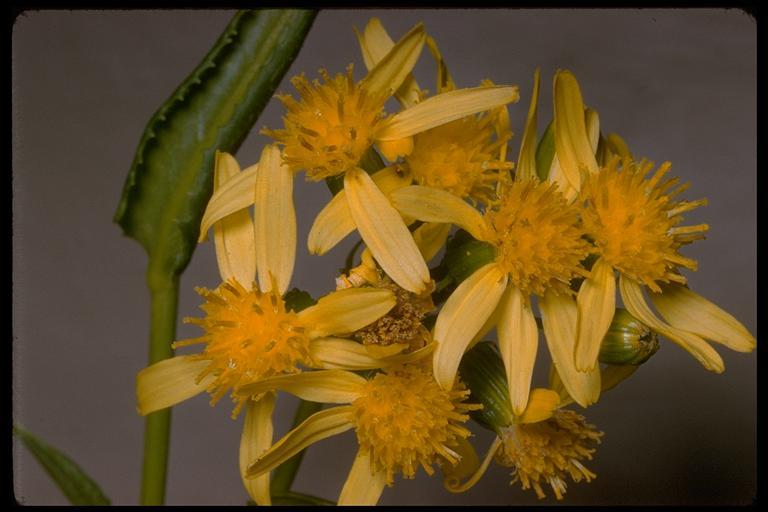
(467, 258)
(482, 370)
(628, 341)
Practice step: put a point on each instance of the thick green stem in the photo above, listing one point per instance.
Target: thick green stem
(165, 299)
(284, 475)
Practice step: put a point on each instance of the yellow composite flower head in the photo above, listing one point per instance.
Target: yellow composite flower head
(249, 332)
(544, 445)
(539, 245)
(402, 418)
(539, 242)
(634, 217)
(333, 124)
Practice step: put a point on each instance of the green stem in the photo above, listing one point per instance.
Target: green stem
(165, 299)
(286, 472)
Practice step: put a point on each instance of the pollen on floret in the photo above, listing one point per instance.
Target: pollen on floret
(461, 157)
(404, 420)
(403, 323)
(549, 451)
(332, 125)
(538, 238)
(634, 221)
(249, 335)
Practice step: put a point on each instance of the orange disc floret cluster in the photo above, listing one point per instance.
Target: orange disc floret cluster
(548, 451)
(331, 127)
(405, 419)
(538, 238)
(460, 157)
(249, 336)
(634, 221)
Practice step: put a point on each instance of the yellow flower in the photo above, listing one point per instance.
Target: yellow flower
(334, 123)
(402, 418)
(634, 221)
(634, 218)
(539, 246)
(250, 334)
(543, 446)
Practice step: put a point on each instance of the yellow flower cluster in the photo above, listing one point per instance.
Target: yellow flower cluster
(383, 346)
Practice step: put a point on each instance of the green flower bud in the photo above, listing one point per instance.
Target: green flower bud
(628, 341)
(463, 256)
(482, 370)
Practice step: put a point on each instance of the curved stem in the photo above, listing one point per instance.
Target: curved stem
(164, 300)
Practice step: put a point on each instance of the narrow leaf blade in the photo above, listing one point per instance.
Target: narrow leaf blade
(77, 486)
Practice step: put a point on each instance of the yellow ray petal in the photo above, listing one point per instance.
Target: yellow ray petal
(596, 304)
(518, 342)
(255, 440)
(592, 123)
(541, 406)
(317, 427)
(375, 43)
(390, 72)
(434, 205)
(335, 222)
(572, 143)
(233, 196)
(169, 382)
(526, 161)
(325, 386)
(462, 316)
(346, 311)
(363, 485)
(557, 176)
(343, 354)
(384, 232)
(445, 82)
(556, 385)
(430, 237)
(233, 235)
(455, 486)
(488, 325)
(445, 108)
(274, 221)
(468, 463)
(558, 314)
(611, 375)
(382, 351)
(687, 310)
(634, 301)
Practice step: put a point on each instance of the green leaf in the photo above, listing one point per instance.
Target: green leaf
(170, 180)
(78, 487)
(545, 152)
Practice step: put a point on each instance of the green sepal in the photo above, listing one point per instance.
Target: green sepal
(545, 152)
(77, 486)
(170, 180)
(482, 370)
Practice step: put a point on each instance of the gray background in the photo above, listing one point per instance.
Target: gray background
(679, 85)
